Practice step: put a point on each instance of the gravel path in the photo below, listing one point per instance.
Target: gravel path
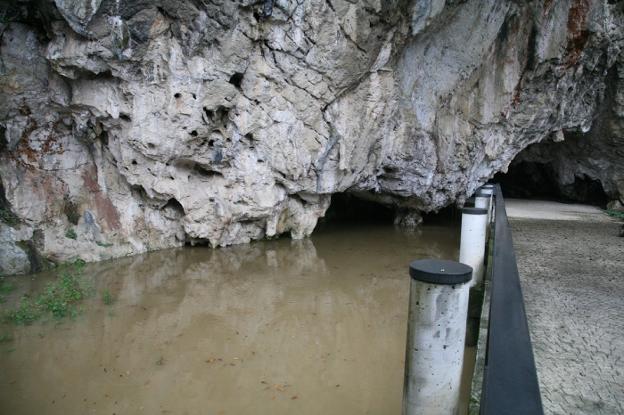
(572, 273)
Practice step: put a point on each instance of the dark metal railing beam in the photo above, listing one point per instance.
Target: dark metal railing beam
(510, 385)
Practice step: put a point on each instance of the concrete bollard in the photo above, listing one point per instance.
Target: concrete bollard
(483, 200)
(472, 243)
(489, 189)
(436, 332)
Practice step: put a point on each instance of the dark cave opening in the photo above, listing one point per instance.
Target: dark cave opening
(351, 209)
(347, 208)
(540, 180)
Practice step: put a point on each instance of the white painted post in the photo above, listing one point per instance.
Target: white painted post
(436, 332)
(472, 242)
(489, 189)
(483, 201)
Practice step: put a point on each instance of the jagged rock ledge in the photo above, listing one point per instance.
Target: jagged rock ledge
(128, 126)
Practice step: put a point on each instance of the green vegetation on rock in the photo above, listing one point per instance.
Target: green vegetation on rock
(71, 234)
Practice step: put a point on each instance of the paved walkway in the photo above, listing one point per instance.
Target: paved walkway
(571, 265)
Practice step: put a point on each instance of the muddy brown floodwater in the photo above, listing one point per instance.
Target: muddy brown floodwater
(315, 326)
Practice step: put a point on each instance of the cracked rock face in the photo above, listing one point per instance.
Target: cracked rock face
(596, 155)
(134, 125)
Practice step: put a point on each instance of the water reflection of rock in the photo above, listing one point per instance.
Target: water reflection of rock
(200, 329)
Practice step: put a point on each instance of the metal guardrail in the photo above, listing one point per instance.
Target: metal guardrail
(510, 383)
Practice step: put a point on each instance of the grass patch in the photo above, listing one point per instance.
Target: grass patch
(6, 287)
(107, 298)
(71, 234)
(103, 244)
(27, 312)
(5, 338)
(615, 213)
(59, 299)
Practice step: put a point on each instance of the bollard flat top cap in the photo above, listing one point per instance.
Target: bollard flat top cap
(474, 211)
(488, 186)
(440, 271)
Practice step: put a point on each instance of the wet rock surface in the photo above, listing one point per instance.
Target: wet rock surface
(136, 126)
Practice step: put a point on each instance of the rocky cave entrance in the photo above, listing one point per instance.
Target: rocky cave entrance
(348, 208)
(530, 177)
(352, 209)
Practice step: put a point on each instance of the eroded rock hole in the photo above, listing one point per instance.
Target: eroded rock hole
(389, 170)
(219, 116)
(174, 206)
(104, 138)
(139, 192)
(6, 214)
(206, 172)
(236, 79)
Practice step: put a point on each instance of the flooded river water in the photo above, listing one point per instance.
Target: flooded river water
(315, 326)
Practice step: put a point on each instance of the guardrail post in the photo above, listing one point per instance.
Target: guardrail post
(482, 200)
(436, 332)
(472, 242)
(489, 189)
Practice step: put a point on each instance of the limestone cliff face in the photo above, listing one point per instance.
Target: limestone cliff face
(134, 125)
(594, 156)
